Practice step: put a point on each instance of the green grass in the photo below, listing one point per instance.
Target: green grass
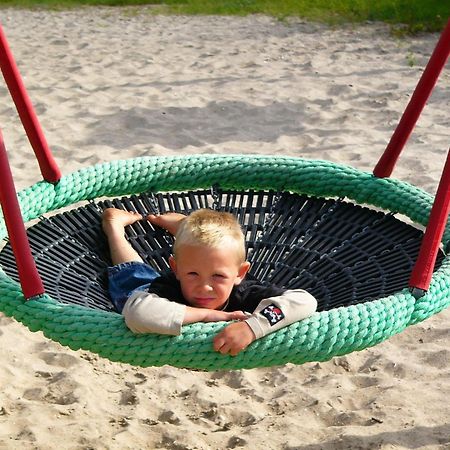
(410, 15)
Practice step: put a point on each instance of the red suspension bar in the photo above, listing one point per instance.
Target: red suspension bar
(423, 269)
(47, 164)
(29, 278)
(418, 100)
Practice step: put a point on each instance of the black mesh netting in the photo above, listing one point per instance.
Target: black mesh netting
(341, 253)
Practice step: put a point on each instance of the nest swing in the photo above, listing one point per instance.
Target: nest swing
(373, 274)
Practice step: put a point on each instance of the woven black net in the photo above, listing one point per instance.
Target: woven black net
(341, 253)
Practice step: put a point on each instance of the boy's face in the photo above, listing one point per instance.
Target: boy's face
(207, 275)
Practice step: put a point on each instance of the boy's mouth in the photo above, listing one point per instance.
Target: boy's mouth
(203, 300)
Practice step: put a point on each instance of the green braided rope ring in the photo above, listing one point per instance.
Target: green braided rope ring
(318, 338)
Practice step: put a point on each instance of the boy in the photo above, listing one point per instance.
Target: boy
(206, 284)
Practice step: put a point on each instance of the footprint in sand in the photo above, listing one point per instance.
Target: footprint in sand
(129, 396)
(438, 359)
(59, 359)
(60, 390)
(60, 387)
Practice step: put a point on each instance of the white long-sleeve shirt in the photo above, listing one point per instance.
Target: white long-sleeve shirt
(148, 313)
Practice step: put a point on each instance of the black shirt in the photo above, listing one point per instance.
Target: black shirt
(246, 296)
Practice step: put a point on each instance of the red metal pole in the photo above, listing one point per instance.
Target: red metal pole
(29, 278)
(47, 164)
(412, 112)
(423, 269)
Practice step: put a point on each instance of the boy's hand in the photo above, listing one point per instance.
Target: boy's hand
(169, 221)
(234, 338)
(118, 219)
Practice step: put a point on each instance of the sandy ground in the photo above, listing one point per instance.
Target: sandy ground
(113, 84)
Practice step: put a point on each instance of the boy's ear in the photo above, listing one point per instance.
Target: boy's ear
(173, 264)
(243, 269)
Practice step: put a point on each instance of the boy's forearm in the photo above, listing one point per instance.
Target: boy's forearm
(119, 248)
(148, 313)
(193, 315)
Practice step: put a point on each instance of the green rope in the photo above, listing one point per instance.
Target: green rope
(318, 338)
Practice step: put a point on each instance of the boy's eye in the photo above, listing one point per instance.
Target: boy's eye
(192, 273)
(219, 275)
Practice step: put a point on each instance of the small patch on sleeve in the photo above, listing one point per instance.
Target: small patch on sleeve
(273, 314)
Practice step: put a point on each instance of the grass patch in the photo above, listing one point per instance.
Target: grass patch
(406, 15)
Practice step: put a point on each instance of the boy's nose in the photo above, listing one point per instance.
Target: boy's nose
(206, 286)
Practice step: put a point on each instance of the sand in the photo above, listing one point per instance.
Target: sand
(113, 84)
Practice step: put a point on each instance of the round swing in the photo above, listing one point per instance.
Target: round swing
(373, 274)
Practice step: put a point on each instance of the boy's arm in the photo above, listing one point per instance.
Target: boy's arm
(279, 312)
(148, 313)
(114, 222)
(270, 315)
(193, 315)
(169, 221)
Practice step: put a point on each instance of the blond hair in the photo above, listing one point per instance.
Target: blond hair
(213, 229)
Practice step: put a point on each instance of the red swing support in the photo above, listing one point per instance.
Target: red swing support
(423, 269)
(49, 168)
(29, 277)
